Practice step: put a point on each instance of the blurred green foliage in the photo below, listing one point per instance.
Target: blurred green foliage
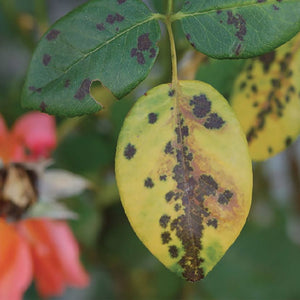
(263, 264)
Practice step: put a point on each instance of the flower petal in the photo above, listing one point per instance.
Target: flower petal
(3, 128)
(55, 256)
(36, 136)
(15, 263)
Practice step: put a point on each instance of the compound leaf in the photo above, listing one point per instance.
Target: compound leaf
(239, 28)
(184, 175)
(266, 100)
(113, 41)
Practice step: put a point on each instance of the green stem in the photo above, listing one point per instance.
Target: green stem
(170, 7)
(168, 23)
(173, 54)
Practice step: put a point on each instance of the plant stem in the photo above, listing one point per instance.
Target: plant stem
(172, 44)
(170, 7)
(173, 55)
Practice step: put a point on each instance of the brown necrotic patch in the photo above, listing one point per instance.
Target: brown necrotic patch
(129, 151)
(193, 188)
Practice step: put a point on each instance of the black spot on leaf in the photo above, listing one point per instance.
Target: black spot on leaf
(166, 237)
(46, 59)
(214, 121)
(111, 19)
(169, 148)
(173, 251)
(100, 27)
(140, 58)
(164, 221)
(201, 106)
(129, 151)
(239, 23)
(267, 60)
(149, 183)
(52, 35)
(171, 93)
(152, 118)
(152, 53)
(212, 222)
(43, 106)
(288, 141)
(83, 90)
(169, 196)
(163, 178)
(225, 197)
(133, 52)
(144, 43)
(67, 83)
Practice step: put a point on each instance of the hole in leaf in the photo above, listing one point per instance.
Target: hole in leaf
(102, 94)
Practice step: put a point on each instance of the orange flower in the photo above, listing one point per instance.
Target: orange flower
(35, 248)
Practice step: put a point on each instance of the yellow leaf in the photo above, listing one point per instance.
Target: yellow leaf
(266, 100)
(184, 175)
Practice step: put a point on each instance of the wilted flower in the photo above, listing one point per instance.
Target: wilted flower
(38, 248)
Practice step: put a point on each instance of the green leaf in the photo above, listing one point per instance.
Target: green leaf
(239, 28)
(184, 175)
(266, 100)
(113, 41)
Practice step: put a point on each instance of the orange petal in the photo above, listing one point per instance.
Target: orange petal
(15, 263)
(36, 135)
(55, 256)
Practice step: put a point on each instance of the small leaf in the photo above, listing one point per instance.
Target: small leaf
(184, 176)
(239, 28)
(266, 100)
(112, 41)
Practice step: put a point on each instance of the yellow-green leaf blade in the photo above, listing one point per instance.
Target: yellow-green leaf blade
(266, 100)
(184, 176)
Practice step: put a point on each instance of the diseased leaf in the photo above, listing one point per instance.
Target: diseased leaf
(266, 100)
(239, 28)
(113, 41)
(184, 176)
